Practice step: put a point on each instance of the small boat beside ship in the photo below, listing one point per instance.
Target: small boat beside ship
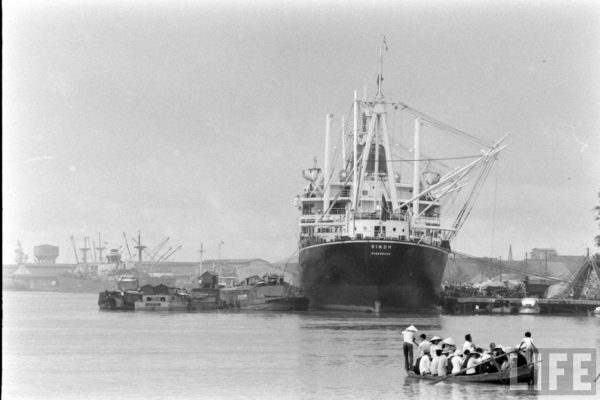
(529, 305)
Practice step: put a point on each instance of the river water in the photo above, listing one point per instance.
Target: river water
(60, 346)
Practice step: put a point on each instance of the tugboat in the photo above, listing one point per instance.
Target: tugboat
(370, 240)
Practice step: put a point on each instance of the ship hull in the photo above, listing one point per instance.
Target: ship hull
(372, 275)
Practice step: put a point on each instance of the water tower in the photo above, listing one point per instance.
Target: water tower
(45, 253)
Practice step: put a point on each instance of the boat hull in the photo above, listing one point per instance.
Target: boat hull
(372, 275)
(528, 310)
(524, 374)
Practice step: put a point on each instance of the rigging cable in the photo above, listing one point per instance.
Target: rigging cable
(494, 213)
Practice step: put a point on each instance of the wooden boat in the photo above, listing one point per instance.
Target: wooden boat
(269, 293)
(529, 306)
(523, 374)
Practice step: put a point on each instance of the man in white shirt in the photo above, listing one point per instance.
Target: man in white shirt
(528, 347)
(424, 345)
(442, 363)
(474, 361)
(468, 345)
(425, 365)
(435, 345)
(435, 361)
(457, 361)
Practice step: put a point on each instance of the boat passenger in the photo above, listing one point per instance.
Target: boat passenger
(449, 344)
(480, 368)
(472, 364)
(527, 347)
(466, 355)
(494, 356)
(408, 337)
(435, 361)
(425, 365)
(468, 345)
(435, 345)
(442, 367)
(424, 345)
(457, 361)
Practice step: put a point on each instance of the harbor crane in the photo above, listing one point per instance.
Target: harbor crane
(127, 246)
(159, 247)
(165, 257)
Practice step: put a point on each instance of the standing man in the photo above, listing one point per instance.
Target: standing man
(468, 345)
(424, 345)
(408, 337)
(528, 347)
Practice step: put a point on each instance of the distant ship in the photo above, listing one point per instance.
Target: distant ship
(369, 239)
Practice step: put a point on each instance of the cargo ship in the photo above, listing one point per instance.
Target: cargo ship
(371, 240)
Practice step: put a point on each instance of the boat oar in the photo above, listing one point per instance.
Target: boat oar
(443, 378)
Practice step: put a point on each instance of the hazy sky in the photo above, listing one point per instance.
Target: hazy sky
(194, 119)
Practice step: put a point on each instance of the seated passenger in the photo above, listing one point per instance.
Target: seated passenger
(481, 368)
(435, 361)
(424, 345)
(456, 362)
(442, 368)
(472, 364)
(425, 365)
(466, 355)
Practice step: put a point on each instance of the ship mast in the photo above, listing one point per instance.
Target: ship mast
(139, 247)
(380, 76)
(417, 170)
(326, 179)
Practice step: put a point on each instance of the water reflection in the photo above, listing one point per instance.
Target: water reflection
(418, 389)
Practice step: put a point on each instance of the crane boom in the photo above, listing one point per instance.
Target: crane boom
(75, 249)
(127, 246)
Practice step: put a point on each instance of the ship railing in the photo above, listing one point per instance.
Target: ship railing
(377, 215)
(318, 211)
(428, 221)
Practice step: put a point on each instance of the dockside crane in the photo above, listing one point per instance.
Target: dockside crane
(127, 246)
(159, 247)
(164, 258)
(75, 249)
(164, 254)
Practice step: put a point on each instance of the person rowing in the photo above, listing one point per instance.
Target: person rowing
(408, 338)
